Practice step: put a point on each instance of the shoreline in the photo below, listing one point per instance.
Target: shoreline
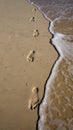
(50, 109)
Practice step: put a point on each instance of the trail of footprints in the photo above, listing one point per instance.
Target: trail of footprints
(34, 99)
(31, 54)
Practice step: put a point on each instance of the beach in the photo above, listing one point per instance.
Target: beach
(19, 24)
(56, 109)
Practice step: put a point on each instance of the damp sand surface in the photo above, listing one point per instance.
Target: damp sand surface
(57, 107)
(17, 75)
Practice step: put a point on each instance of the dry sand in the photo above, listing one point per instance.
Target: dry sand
(17, 75)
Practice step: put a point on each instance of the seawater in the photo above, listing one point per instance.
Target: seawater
(56, 109)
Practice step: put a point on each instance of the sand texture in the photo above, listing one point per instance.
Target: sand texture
(18, 73)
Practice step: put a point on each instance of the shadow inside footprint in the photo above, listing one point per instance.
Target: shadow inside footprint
(30, 56)
(34, 100)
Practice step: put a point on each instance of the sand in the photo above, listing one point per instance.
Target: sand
(17, 75)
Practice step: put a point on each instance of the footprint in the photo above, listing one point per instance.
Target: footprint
(30, 56)
(32, 19)
(34, 100)
(35, 33)
(34, 10)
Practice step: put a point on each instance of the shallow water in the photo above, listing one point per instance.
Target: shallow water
(56, 109)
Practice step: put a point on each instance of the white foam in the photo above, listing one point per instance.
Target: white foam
(64, 47)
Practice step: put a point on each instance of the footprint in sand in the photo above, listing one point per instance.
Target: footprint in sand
(34, 100)
(32, 19)
(30, 56)
(34, 10)
(36, 33)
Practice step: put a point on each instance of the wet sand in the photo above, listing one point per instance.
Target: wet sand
(17, 75)
(58, 108)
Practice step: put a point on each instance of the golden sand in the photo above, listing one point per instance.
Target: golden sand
(17, 75)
